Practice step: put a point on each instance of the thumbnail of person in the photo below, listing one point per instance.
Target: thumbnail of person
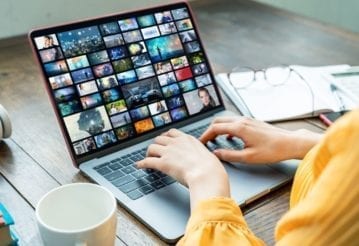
(105, 139)
(201, 100)
(46, 41)
(51, 54)
(157, 107)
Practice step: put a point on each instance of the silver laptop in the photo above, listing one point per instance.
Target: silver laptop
(118, 81)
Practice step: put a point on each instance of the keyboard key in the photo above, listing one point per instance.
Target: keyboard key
(126, 162)
(129, 169)
(115, 166)
(123, 180)
(133, 185)
(152, 177)
(101, 166)
(114, 175)
(158, 184)
(104, 170)
(168, 180)
(146, 189)
(134, 194)
(139, 174)
(161, 174)
(136, 158)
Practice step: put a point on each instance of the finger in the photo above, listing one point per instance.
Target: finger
(174, 133)
(224, 119)
(163, 140)
(155, 150)
(150, 162)
(218, 129)
(245, 155)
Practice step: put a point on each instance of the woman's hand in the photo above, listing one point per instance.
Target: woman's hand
(264, 143)
(186, 159)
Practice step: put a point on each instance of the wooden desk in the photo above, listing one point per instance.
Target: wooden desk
(34, 160)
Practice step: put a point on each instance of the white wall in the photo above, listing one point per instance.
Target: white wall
(19, 16)
(341, 13)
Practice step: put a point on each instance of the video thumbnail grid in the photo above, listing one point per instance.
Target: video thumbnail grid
(120, 79)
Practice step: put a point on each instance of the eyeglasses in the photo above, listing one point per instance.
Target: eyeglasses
(243, 77)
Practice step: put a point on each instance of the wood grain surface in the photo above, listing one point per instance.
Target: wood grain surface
(34, 160)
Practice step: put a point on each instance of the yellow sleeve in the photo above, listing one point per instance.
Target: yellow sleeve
(218, 221)
(325, 195)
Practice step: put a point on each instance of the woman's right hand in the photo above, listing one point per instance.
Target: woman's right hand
(264, 143)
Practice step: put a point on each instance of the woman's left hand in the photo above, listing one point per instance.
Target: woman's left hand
(186, 159)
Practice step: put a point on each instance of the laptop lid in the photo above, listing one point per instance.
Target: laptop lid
(120, 79)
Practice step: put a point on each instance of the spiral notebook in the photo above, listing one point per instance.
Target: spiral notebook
(293, 99)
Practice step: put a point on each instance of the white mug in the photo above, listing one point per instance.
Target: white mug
(5, 123)
(77, 214)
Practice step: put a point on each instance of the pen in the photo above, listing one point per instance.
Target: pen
(334, 90)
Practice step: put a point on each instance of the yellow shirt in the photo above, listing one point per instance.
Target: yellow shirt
(324, 203)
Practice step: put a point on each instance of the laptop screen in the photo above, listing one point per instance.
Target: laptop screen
(123, 76)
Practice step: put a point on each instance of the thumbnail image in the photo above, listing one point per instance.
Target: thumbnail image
(91, 101)
(144, 125)
(47, 41)
(158, 107)
(55, 68)
(98, 57)
(142, 92)
(180, 13)
(175, 102)
(162, 119)
(139, 113)
(145, 72)
(86, 88)
(107, 82)
(191, 47)
(126, 77)
(163, 67)
(163, 17)
(69, 107)
(137, 48)
(113, 40)
(187, 85)
(184, 73)
(84, 146)
(146, 20)
(116, 107)
(200, 69)
(132, 36)
(82, 75)
(60, 81)
(51, 54)
(188, 36)
(118, 52)
(167, 28)
(78, 62)
(150, 32)
(65, 94)
(121, 119)
(102, 70)
(87, 123)
(122, 65)
(111, 95)
(125, 132)
(171, 90)
(203, 80)
(141, 60)
(109, 28)
(81, 41)
(165, 47)
(196, 58)
(105, 138)
(201, 100)
(183, 25)
(179, 113)
(128, 24)
(167, 78)
(179, 62)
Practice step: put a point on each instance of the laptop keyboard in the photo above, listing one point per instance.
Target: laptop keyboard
(136, 183)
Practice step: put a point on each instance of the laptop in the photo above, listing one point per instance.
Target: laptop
(118, 81)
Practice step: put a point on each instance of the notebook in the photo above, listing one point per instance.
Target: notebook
(115, 83)
(295, 98)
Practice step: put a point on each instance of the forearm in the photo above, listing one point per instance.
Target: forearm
(299, 142)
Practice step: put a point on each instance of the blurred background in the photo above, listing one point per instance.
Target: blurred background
(19, 16)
